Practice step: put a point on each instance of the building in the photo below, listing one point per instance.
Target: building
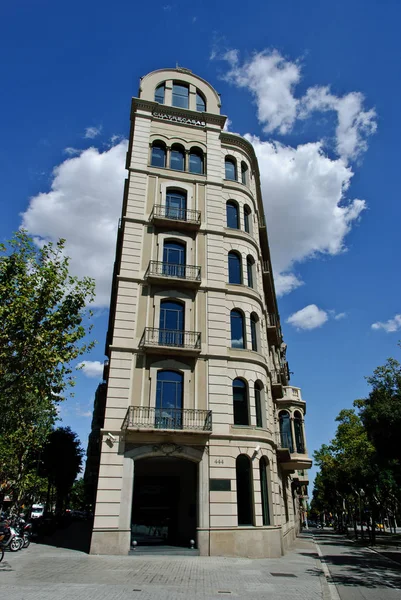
(202, 435)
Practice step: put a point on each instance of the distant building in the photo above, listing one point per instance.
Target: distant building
(202, 434)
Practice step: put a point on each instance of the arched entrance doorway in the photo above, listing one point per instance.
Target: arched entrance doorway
(164, 502)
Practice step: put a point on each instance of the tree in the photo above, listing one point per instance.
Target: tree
(381, 415)
(61, 463)
(43, 320)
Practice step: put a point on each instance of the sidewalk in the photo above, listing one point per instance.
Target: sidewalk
(48, 573)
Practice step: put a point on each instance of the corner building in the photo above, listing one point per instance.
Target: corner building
(203, 437)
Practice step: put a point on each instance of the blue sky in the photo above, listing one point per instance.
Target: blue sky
(316, 86)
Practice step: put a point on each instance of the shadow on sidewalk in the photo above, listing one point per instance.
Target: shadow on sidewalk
(76, 536)
(357, 566)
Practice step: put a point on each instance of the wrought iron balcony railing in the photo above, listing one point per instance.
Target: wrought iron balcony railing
(187, 215)
(190, 340)
(164, 269)
(185, 419)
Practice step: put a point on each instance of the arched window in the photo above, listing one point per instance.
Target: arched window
(240, 401)
(299, 434)
(247, 218)
(174, 259)
(158, 154)
(244, 173)
(258, 404)
(159, 93)
(230, 169)
(177, 157)
(232, 214)
(169, 395)
(171, 332)
(176, 205)
(244, 490)
(180, 95)
(196, 161)
(264, 490)
(250, 265)
(285, 430)
(200, 102)
(237, 329)
(234, 267)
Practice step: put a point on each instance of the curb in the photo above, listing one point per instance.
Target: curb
(331, 591)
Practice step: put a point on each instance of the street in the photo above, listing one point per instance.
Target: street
(357, 572)
(45, 572)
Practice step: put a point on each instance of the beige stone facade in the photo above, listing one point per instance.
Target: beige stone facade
(202, 436)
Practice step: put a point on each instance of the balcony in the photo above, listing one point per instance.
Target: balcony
(267, 277)
(290, 457)
(183, 218)
(141, 418)
(292, 396)
(277, 386)
(159, 341)
(273, 330)
(163, 272)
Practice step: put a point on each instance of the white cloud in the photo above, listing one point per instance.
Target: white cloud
(92, 132)
(307, 212)
(72, 151)
(309, 317)
(272, 80)
(340, 316)
(83, 206)
(354, 123)
(91, 368)
(227, 124)
(389, 326)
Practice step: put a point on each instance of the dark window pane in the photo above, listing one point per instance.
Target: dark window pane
(299, 437)
(249, 268)
(169, 394)
(200, 103)
(244, 490)
(171, 323)
(232, 215)
(174, 259)
(196, 163)
(158, 156)
(240, 402)
(285, 431)
(230, 170)
(159, 94)
(264, 491)
(258, 408)
(247, 220)
(253, 335)
(234, 268)
(244, 170)
(237, 329)
(180, 95)
(176, 204)
(177, 160)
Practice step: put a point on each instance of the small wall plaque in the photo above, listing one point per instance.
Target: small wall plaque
(220, 485)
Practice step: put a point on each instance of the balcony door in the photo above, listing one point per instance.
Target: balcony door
(176, 205)
(171, 323)
(174, 259)
(169, 394)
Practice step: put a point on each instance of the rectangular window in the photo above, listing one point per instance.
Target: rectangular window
(180, 95)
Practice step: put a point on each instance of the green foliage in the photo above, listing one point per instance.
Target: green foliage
(43, 320)
(61, 462)
(360, 468)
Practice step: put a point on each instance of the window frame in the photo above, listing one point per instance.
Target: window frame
(229, 160)
(158, 144)
(177, 148)
(244, 480)
(233, 254)
(195, 151)
(235, 313)
(175, 95)
(163, 86)
(202, 99)
(232, 205)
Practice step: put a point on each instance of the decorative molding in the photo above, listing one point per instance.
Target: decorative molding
(168, 449)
